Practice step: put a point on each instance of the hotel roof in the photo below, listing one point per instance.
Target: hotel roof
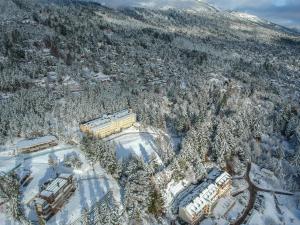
(106, 119)
(55, 186)
(204, 193)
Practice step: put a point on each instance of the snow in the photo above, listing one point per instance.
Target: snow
(207, 221)
(5, 96)
(189, 5)
(4, 219)
(210, 221)
(133, 142)
(223, 206)
(238, 185)
(7, 163)
(87, 193)
(263, 179)
(173, 190)
(102, 77)
(268, 213)
(36, 141)
(92, 182)
(235, 211)
(247, 16)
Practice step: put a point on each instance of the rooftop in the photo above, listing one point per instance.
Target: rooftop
(222, 178)
(55, 185)
(40, 201)
(205, 192)
(36, 141)
(200, 191)
(214, 173)
(106, 119)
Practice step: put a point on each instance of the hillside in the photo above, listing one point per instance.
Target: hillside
(226, 85)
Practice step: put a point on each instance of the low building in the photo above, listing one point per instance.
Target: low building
(54, 196)
(203, 198)
(36, 144)
(109, 124)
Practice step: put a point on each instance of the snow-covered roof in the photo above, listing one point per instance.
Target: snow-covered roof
(28, 143)
(46, 193)
(56, 185)
(122, 114)
(196, 192)
(204, 193)
(200, 197)
(214, 173)
(65, 175)
(221, 179)
(105, 120)
(40, 201)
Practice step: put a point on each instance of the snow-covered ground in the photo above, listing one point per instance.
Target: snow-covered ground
(238, 185)
(92, 181)
(275, 209)
(134, 142)
(247, 16)
(264, 178)
(223, 206)
(173, 190)
(4, 219)
(210, 221)
(241, 202)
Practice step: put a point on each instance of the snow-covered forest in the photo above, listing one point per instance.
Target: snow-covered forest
(227, 86)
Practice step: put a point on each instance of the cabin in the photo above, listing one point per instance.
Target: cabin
(109, 124)
(36, 144)
(51, 199)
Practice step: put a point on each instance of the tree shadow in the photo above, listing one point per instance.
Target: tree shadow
(144, 153)
(83, 204)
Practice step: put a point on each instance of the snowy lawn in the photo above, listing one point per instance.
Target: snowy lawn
(132, 142)
(272, 211)
(88, 192)
(264, 178)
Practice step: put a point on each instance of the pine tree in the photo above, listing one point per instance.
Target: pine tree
(103, 153)
(296, 159)
(156, 204)
(136, 188)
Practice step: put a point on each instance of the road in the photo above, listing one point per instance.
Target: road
(252, 192)
(253, 189)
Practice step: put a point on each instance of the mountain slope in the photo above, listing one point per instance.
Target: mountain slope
(225, 87)
(192, 5)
